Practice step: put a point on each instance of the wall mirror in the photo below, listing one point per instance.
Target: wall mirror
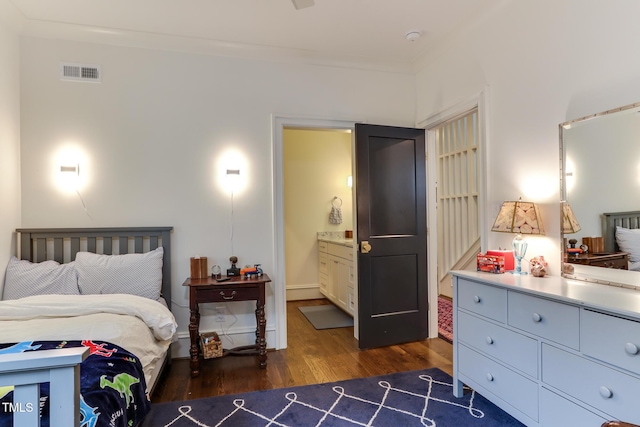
(600, 180)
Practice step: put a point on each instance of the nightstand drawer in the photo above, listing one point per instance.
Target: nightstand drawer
(487, 301)
(230, 293)
(548, 319)
(512, 348)
(611, 339)
(500, 381)
(609, 390)
(618, 262)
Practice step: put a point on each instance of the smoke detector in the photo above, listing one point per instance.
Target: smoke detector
(301, 4)
(413, 35)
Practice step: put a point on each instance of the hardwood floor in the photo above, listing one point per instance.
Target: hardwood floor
(312, 357)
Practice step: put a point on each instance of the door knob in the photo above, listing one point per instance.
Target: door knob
(365, 247)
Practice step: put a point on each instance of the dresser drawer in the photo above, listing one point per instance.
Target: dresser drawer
(548, 319)
(487, 301)
(504, 383)
(611, 391)
(611, 339)
(558, 411)
(509, 347)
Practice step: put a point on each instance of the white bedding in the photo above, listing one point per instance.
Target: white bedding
(140, 325)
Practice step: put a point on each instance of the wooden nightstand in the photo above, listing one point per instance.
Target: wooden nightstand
(619, 260)
(236, 289)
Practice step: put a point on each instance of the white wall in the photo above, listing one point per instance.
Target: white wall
(541, 63)
(316, 166)
(153, 133)
(9, 136)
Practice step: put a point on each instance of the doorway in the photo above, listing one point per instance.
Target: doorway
(280, 284)
(317, 201)
(279, 124)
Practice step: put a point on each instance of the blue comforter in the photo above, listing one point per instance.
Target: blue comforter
(112, 386)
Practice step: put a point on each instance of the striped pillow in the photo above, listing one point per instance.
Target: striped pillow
(136, 274)
(24, 278)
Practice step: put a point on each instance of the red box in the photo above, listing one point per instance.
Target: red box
(509, 263)
(490, 263)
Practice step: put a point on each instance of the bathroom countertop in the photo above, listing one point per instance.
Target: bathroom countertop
(336, 237)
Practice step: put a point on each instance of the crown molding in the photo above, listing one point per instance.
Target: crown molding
(11, 17)
(203, 46)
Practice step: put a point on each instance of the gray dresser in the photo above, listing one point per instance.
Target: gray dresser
(549, 351)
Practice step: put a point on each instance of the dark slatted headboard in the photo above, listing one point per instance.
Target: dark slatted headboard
(62, 245)
(611, 220)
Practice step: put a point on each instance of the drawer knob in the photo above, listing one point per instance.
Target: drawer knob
(631, 348)
(605, 392)
(489, 340)
(476, 299)
(489, 377)
(537, 318)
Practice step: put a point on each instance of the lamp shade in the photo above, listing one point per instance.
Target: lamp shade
(569, 222)
(519, 217)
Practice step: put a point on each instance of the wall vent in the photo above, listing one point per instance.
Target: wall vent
(80, 72)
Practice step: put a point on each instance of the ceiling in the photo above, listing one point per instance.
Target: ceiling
(354, 31)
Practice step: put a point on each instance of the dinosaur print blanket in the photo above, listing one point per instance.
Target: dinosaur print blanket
(112, 386)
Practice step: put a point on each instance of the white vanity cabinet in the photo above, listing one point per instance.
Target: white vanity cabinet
(337, 273)
(549, 351)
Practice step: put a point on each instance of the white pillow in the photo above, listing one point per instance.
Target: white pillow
(629, 241)
(136, 274)
(24, 278)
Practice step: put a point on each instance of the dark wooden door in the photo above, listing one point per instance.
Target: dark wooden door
(391, 215)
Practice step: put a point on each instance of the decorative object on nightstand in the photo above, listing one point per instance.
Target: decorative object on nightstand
(216, 271)
(520, 218)
(199, 268)
(233, 270)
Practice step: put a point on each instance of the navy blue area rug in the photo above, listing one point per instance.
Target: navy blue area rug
(414, 398)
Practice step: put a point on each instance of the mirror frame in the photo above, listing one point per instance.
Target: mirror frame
(606, 276)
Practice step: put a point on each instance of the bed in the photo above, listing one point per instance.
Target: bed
(621, 232)
(120, 312)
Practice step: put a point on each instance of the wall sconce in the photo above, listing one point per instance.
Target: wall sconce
(70, 176)
(350, 181)
(233, 178)
(74, 169)
(520, 218)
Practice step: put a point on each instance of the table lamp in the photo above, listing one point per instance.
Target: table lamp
(569, 222)
(520, 218)
(569, 226)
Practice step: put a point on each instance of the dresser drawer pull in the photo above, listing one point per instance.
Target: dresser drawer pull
(537, 317)
(489, 377)
(233, 294)
(605, 392)
(631, 349)
(489, 340)
(476, 299)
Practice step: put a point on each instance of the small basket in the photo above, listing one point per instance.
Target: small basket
(211, 345)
